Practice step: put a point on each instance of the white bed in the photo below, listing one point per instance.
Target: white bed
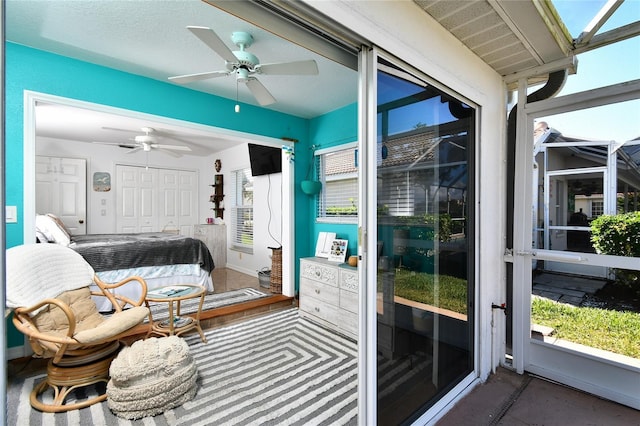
(155, 276)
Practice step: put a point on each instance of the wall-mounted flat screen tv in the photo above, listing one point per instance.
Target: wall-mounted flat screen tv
(264, 160)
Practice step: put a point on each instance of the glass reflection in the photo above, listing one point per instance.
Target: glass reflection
(425, 143)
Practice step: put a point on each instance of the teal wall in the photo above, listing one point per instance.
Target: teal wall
(334, 128)
(39, 71)
(35, 70)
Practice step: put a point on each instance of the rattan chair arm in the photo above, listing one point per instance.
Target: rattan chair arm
(22, 321)
(119, 301)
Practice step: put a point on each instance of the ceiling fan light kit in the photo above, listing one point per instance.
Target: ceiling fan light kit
(244, 65)
(147, 142)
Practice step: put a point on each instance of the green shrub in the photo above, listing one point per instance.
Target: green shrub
(619, 235)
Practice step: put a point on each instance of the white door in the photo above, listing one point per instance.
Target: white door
(153, 200)
(598, 359)
(187, 202)
(136, 199)
(176, 197)
(61, 189)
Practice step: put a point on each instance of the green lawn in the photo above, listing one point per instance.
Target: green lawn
(614, 331)
(420, 287)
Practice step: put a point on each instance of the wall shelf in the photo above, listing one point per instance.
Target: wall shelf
(217, 198)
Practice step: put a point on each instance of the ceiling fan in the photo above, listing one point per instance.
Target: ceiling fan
(147, 142)
(244, 64)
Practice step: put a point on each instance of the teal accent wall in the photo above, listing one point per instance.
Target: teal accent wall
(332, 129)
(39, 71)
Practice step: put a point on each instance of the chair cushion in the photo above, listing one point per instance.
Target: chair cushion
(52, 320)
(114, 325)
(91, 326)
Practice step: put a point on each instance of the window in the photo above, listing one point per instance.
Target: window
(597, 208)
(338, 172)
(242, 210)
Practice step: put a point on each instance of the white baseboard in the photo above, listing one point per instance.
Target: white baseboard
(15, 352)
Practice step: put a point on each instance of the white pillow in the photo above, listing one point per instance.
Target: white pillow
(52, 231)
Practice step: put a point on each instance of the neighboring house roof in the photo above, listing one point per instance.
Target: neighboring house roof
(628, 161)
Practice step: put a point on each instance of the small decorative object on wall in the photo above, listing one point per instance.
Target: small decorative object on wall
(309, 185)
(323, 246)
(338, 251)
(218, 165)
(101, 182)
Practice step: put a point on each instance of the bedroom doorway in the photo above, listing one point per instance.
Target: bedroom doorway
(213, 135)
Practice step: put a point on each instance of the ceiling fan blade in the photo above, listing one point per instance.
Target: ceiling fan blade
(260, 92)
(289, 68)
(173, 147)
(136, 149)
(121, 130)
(211, 39)
(188, 78)
(120, 144)
(169, 152)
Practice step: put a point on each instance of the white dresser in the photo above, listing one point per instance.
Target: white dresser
(215, 237)
(329, 294)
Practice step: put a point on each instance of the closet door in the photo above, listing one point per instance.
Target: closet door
(153, 200)
(177, 200)
(188, 204)
(137, 199)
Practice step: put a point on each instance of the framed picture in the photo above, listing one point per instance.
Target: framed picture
(101, 182)
(323, 246)
(338, 251)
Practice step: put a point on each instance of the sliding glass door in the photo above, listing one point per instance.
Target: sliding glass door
(424, 166)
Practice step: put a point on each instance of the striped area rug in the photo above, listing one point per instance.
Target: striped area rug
(277, 369)
(160, 310)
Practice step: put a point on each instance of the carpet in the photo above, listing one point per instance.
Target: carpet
(278, 369)
(160, 310)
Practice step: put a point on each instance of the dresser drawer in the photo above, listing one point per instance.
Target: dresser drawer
(325, 293)
(349, 280)
(316, 271)
(349, 301)
(319, 309)
(348, 322)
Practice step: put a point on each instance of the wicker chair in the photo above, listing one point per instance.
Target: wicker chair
(48, 288)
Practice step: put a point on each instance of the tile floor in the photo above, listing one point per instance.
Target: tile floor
(507, 398)
(225, 279)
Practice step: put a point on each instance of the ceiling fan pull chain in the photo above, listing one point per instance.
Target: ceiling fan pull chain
(237, 104)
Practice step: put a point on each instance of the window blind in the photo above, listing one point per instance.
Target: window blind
(338, 200)
(241, 217)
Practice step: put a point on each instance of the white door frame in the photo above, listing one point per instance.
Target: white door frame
(614, 378)
(29, 150)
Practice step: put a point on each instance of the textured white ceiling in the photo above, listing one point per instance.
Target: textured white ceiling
(150, 38)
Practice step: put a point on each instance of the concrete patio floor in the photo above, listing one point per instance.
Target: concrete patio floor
(507, 398)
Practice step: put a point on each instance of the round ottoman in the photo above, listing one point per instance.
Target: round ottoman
(150, 377)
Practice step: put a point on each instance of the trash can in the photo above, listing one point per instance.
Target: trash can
(264, 277)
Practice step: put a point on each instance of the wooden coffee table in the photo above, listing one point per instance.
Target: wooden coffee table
(176, 324)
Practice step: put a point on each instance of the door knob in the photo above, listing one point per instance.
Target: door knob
(81, 221)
